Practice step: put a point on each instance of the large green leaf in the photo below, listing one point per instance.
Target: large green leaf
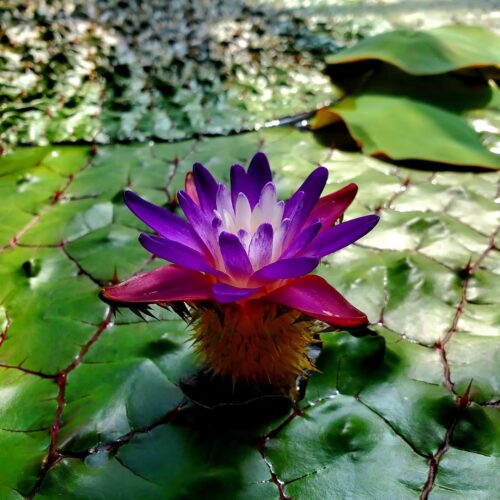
(432, 52)
(91, 405)
(404, 117)
(405, 104)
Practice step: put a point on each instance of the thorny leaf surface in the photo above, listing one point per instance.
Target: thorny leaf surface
(90, 402)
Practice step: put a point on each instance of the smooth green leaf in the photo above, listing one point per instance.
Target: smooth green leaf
(403, 117)
(427, 52)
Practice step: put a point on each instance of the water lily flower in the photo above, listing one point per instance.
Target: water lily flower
(240, 268)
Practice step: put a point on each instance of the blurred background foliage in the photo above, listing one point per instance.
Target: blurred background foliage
(110, 70)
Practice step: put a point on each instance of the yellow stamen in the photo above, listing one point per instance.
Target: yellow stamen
(254, 342)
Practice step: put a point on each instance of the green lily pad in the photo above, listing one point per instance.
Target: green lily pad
(422, 118)
(91, 404)
(430, 52)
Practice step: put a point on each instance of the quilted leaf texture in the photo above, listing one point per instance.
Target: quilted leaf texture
(91, 404)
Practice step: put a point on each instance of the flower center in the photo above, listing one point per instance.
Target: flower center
(244, 221)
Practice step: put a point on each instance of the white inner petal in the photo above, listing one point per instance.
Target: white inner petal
(244, 222)
(242, 214)
(279, 236)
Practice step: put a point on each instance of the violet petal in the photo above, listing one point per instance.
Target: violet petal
(245, 238)
(292, 205)
(206, 187)
(234, 255)
(313, 296)
(223, 200)
(296, 220)
(177, 253)
(200, 222)
(312, 188)
(164, 222)
(225, 294)
(279, 237)
(302, 240)
(285, 268)
(261, 246)
(258, 175)
(238, 182)
(340, 236)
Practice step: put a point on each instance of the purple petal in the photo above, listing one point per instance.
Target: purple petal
(178, 254)
(164, 222)
(315, 297)
(216, 223)
(292, 205)
(197, 218)
(285, 268)
(244, 237)
(296, 219)
(258, 175)
(226, 293)
(312, 188)
(259, 170)
(223, 200)
(302, 240)
(340, 236)
(279, 236)
(238, 182)
(261, 246)
(206, 187)
(234, 255)
(166, 284)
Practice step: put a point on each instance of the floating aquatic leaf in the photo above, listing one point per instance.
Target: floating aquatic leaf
(416, 117)
(428, 52)
(91, 402)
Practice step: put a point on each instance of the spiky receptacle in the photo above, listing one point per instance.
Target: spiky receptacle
(255, 342)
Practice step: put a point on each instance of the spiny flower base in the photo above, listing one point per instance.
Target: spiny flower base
(255, 343)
